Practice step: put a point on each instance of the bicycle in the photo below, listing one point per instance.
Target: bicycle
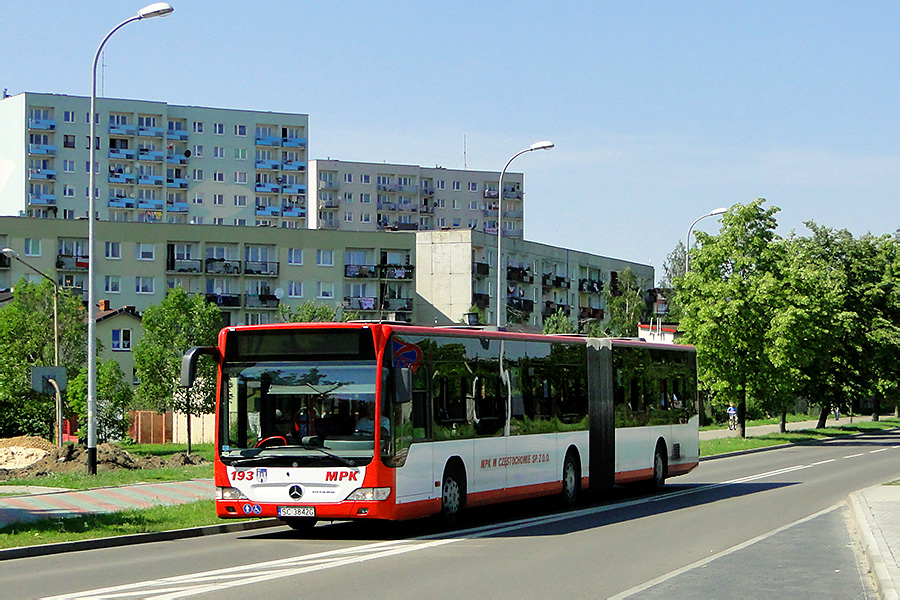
(732, 422)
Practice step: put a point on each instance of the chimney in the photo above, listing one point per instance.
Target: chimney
(104, 305)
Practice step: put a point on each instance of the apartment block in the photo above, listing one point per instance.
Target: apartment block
(378, 196)
(155, 162)
(457, 270)
(247, 271)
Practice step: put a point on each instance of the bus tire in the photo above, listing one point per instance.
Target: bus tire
(453, 495)
(304, 524)
(571, 479)
(659, 467)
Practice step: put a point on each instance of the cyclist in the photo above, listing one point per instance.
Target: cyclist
(732, 416)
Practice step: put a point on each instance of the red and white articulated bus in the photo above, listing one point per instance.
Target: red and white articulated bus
(331, 421)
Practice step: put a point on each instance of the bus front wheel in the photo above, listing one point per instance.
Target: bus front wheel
(453, 495)
(571, 480)
(659, 468)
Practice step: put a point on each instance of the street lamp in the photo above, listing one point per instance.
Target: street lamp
(501, 303)
(687, 245)
(157, 9)
(10, 253)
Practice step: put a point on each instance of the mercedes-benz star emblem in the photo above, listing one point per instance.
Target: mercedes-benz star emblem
(296, 492)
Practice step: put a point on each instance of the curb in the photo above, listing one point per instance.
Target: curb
(137, 538)
(789, 445)
(883, 581)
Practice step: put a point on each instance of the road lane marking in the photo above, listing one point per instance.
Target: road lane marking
(822, 462)
(854, 455)
(705, 561)
(879, 450)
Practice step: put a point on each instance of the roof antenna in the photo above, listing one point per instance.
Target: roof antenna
(464, 152)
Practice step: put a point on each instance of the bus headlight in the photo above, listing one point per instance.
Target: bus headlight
(229, 493)
(370, 494)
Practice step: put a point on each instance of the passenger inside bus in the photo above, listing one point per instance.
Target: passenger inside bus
(366, 425)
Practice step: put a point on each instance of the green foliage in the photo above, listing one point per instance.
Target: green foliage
(479, 313)
(558, 322)
(625, 305)
(313, 312)
(114, 398)
(172, 327)
(26, 341)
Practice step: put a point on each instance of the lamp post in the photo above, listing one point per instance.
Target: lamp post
(501, 302)
(10, 253)
(158, 9)
(687, 245)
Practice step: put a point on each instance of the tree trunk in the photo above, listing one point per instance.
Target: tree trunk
(782, 426)
(876, 407)
(742, 413)
(822, 416)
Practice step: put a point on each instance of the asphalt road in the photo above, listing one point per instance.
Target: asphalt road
(770, 524)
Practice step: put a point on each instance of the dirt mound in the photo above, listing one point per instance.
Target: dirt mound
(47, 459)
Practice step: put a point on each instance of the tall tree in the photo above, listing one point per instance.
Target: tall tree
(727, 305)
(114, 396)
(673, 266)
(181, 321)
(558, 322)
(625, 305)
(26, 341)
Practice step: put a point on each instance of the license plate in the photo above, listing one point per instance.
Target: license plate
(296, 511)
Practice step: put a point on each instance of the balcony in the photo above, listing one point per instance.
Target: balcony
(396, 271)
(42, 199)
(296, 211)
(397, 304)
(45, 174)
(68, 262)
(481, 269)
(392, 206)
(489, 212)
(184, 265)
(293, 165)
(293, 188)
(428, 191)
(222, 266)
(268, 140)
(586, 312)
(177, 207)
(360, 303)
(150, 180)
(229, 300)
(41, 149)
(122, 130)
(150, 131)
(177, 182)
(520, 304)
(590, 286)
(551, 307)
(176, 159)
(121, 154)
(512, 194)
(271, 188)
(329, 185)
(491, 194)
(482, 301)
(42, 124)
(177, 134)
(329, 224)
(387, 187)
(268, 164)
(261, 267)
(513, 214)
(329, 204)
(121, 202)
(408, 189)
(121, 177)
(293, 142)
(556, 281)
(425, 209)
(150, 204)
(268, 211)
(260, 301)
(150, 216)
(361, 271)
(152, 155)
(407, 207)
(519, 274)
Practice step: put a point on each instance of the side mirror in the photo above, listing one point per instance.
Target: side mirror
(403, 385)
(189, 363)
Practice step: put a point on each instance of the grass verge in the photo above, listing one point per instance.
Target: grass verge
(128, 522)
(791, 418)
(735, 444)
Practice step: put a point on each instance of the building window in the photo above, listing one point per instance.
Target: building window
(473, 187)
(325, 258)
(198, 151)
(440, 184)
(68, 166)
(240, 130)
(240, 154)
(198, 126)
(295, 256)
(218, 152)
(365, 179)
(365, 198)
(219, 176)
(348, 217)
(198, 198)
(218, 220)
(240, 200)
(326, 289)
(143, 285)
(456, 204)
(473, 204)
(68, 190)
(365, 218)
(32, 247)
(111, 284)
(198, 174)
(121, 340)
(295, 289)
(196, 220)
(240, 176)
(219, 199)
(456, 186)
(240, 222)
(144, 251)
(113, 250)
(69, 116)
(68, 141)
(348, 177)
(219, 128)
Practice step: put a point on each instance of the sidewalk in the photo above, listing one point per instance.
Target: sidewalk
(877, 514)
(52, 503)
(764, 429)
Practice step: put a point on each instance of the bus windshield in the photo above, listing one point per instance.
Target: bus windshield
(316, 410)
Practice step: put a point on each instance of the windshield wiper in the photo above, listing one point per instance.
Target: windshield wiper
(340, 459)
(249, 461)
(260, 459)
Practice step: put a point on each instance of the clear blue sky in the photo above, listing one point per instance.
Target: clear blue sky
(660, 111)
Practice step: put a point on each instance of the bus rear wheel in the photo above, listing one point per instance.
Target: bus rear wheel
(453, 497)
(659, 468)
(304, 524)
(571, 484)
